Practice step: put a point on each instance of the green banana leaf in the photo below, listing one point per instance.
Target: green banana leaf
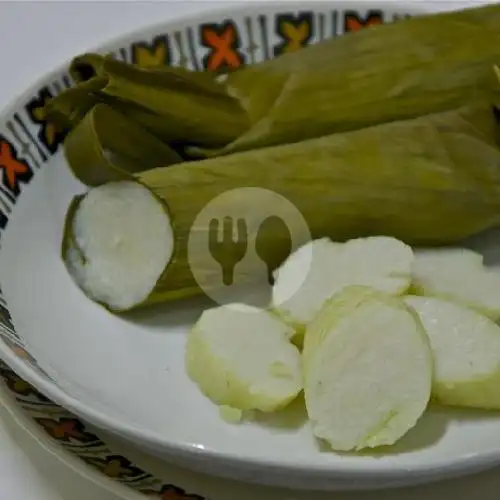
(107, 145)
(431, 180)
(389, 72)
(198, 111)
(69, 108)
(175, 104)
(86, 67)
(442, 61)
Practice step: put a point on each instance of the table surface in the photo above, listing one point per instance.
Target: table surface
(29, 29)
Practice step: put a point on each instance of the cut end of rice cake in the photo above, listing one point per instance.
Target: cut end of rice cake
(321, 268)
(466, 351)
(240, 356)
(121, 241)
(434, 258)
(368, 374)
(458, 275)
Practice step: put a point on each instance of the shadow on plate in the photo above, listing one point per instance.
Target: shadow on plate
(293, 417)
(430, 429)
(488, 244)
(185, 312)
(461, 415)
(427, 433)
(169, 316)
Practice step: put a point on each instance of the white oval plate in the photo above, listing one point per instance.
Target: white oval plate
(127, 375)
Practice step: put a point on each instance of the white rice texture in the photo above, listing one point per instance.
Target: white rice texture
(126, 239)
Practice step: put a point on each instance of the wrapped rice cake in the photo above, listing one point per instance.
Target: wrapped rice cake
(431, 180)
(345, 83)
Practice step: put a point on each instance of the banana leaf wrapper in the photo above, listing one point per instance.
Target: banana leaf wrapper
(68, 111)
(108, 146)
(389, 72)
(69, 108)
(173, 103)
(432, 180)
(87, 66)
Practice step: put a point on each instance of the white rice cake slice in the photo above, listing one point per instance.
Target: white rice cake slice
(466, 351)
(458, 275)
(367, 370)
(322, 268)
(240, 357)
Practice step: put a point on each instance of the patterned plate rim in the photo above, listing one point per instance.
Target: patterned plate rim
(15, 410)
